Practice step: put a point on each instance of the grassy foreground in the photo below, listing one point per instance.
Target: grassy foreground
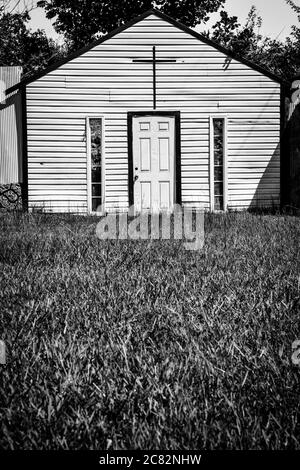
(127, 345)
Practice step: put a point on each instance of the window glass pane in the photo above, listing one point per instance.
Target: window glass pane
(218, 127)
(96, 141)
(218, 157)
(96, 161)
(219, 206)
(218, 173)
(96, 174)
(96, 190)
(218, 142)
(218, 189)
(96, 203)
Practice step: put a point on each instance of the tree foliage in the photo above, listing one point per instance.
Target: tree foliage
(21, 46)
(294, 6)
(17, 6)
(246, 41)
(295, 28)
(82, 21)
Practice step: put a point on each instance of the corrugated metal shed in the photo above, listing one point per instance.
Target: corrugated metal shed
(10, 127)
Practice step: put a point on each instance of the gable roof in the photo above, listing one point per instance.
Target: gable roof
(165, 17)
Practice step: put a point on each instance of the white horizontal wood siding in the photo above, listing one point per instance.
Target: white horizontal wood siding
(104, 81)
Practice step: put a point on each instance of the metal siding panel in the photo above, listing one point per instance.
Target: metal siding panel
(10, 127)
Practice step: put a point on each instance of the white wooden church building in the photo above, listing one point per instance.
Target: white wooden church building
(152, 115)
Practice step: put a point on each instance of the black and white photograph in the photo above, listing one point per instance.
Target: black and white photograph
(149, 229)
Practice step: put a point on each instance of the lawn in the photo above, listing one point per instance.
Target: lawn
(144, 345)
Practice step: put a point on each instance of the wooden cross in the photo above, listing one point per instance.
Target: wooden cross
(154, 61)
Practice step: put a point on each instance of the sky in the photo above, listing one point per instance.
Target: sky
(276, 14)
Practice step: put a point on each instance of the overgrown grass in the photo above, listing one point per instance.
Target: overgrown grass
(128, 345)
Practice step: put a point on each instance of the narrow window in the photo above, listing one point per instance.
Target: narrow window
(218, 163)
(95, 146)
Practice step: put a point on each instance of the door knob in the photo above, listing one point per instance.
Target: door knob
(136, 178)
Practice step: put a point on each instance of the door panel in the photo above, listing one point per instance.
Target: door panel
(164, 195)
(164, 153)
(145, 154)
(153, 162)
(145, 195)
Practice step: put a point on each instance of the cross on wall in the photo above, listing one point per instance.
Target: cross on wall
(154, 61)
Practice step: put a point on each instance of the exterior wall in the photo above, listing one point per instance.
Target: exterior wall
(293, 135)
(10, 127)
(105, 82)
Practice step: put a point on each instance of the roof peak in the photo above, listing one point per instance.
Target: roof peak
(163, 16)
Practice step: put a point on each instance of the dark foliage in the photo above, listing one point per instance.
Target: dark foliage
(82, 21)
(21, 46)
(281, 58)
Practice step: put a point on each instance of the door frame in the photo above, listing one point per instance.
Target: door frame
(177, 169)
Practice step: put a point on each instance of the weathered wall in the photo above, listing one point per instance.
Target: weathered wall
(10, 127)
(10, 140)
(294, 145)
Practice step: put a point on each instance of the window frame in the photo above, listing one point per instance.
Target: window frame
(89, 164)
(224, 117)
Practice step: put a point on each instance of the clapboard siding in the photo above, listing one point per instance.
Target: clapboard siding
(105, 82)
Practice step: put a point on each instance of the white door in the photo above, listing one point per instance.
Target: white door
(153, 163)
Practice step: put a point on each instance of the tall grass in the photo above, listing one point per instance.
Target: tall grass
(130, 345)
